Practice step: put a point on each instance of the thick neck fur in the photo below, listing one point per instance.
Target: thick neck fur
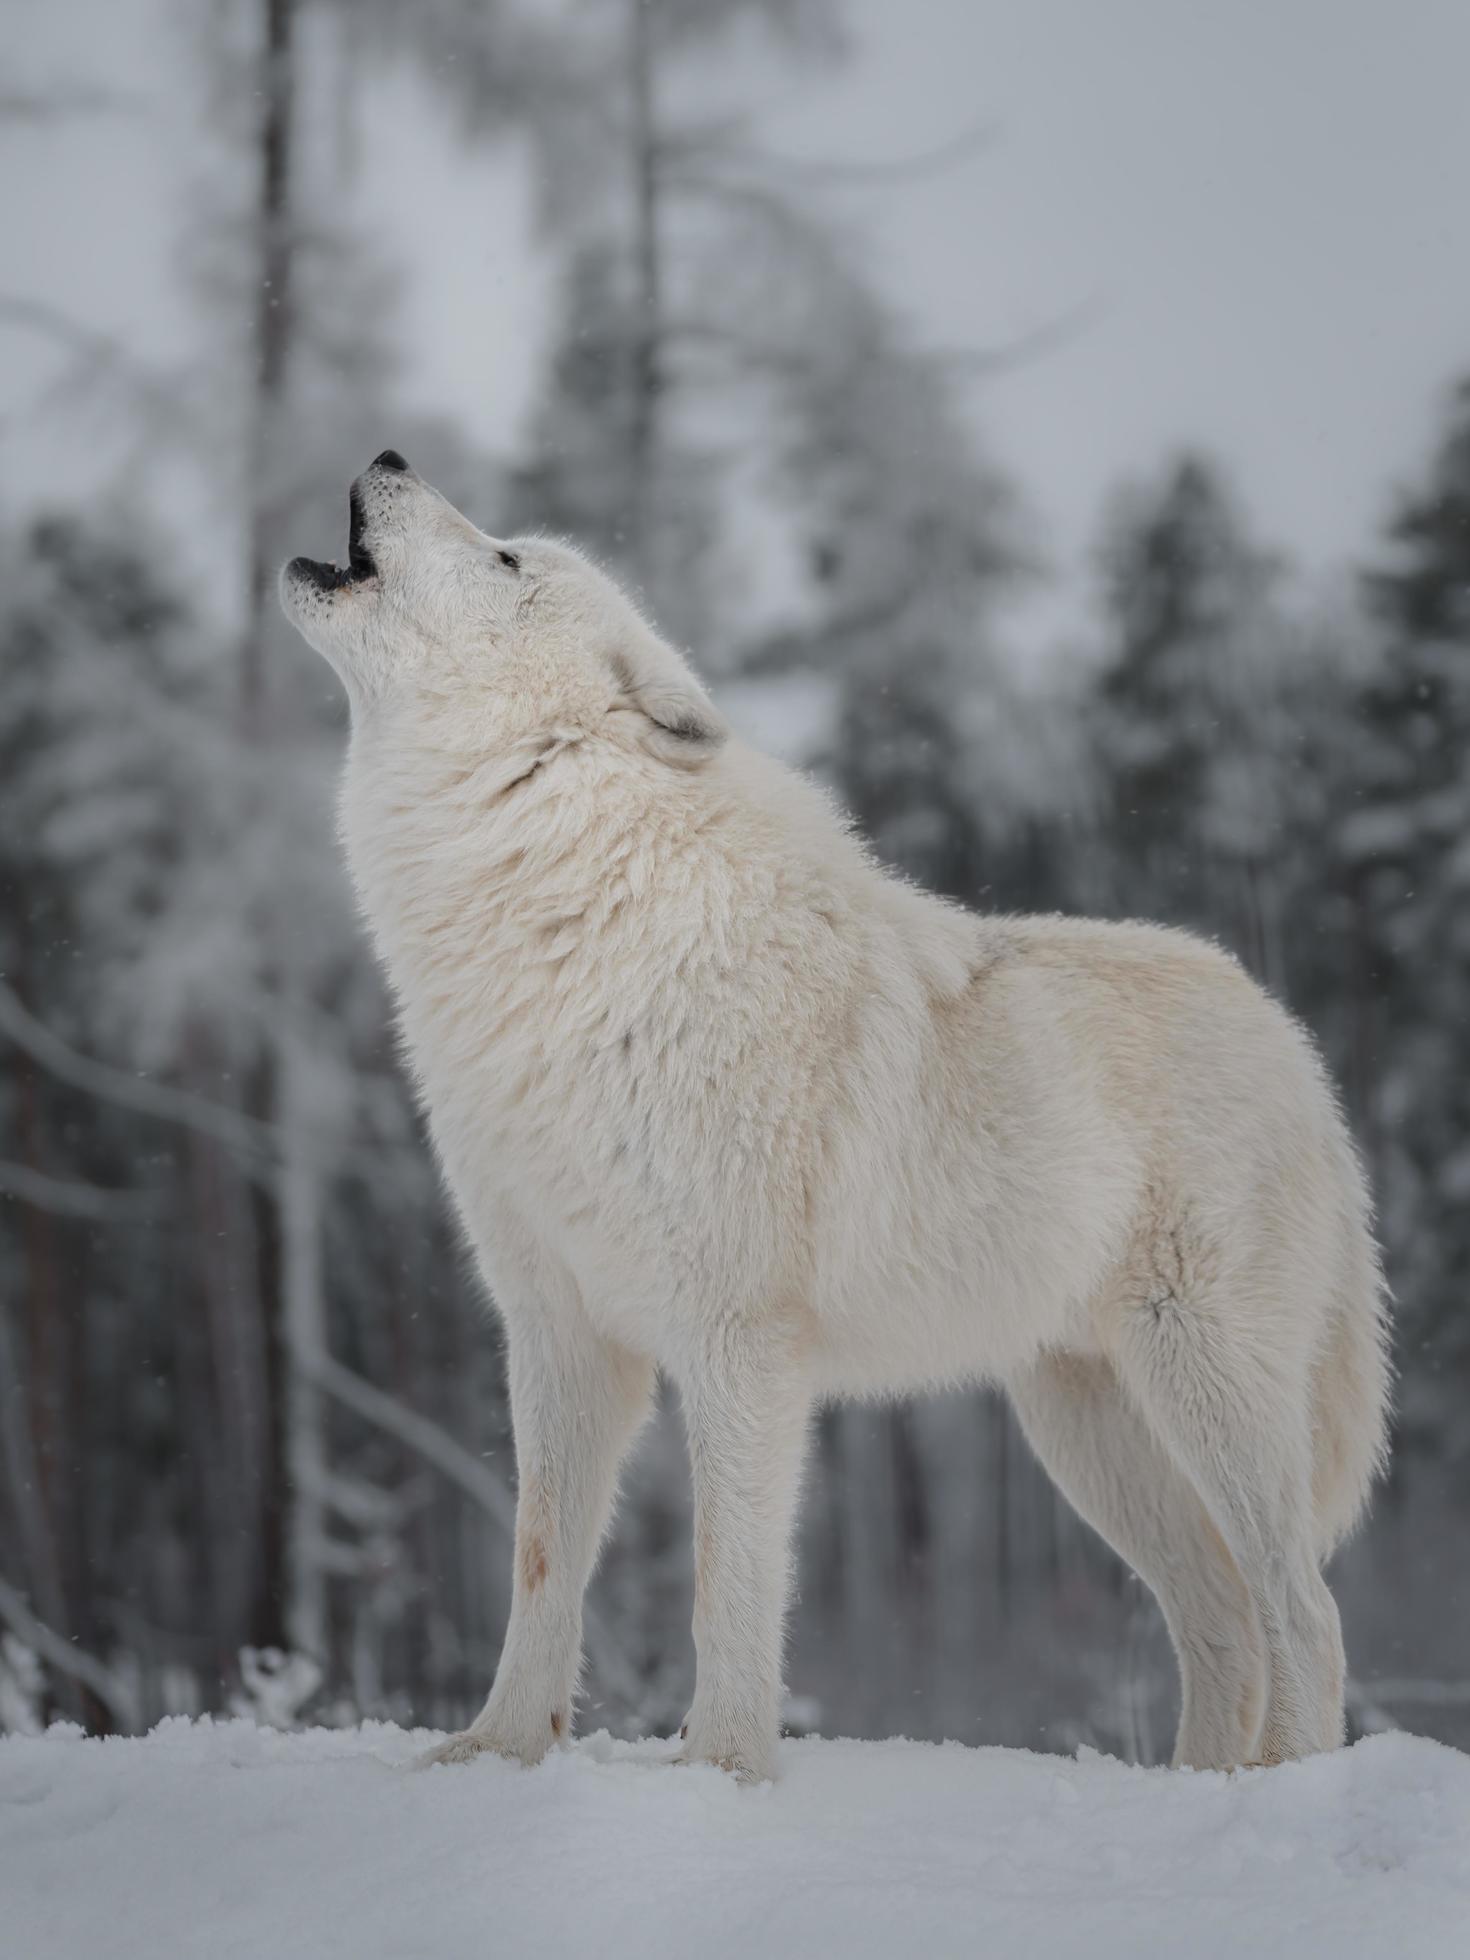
(542, 879)
(487, 861)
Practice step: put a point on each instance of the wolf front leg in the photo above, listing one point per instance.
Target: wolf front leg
(576, 1401)
(746, 1407)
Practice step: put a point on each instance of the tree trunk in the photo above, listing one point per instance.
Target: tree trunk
(646, 378)
(273, 325)
(273, 329)
(305, 1329)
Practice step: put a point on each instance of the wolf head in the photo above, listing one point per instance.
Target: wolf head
(502, 632)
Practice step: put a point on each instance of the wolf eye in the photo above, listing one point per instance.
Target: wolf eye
(510, 560)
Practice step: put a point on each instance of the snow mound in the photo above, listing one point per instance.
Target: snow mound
(225, 1839)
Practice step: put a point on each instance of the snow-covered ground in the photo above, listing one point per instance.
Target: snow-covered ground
(224, 1839)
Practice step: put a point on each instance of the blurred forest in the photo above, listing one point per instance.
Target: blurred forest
(254, 1450)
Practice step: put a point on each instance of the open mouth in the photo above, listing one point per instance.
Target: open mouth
(360, 562)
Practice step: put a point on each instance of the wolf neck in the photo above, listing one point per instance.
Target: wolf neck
(488, 902)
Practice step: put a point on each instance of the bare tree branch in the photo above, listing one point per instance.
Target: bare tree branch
(95, 356)
(115, 1695)
(257, 1143)
(50, 321)
(69, 1198)
(453, 1461)
(917, 165)
(252, 1139)
(417, 1433)
(1034, 345)
(50, 102)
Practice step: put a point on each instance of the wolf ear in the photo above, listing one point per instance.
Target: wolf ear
(681, 724)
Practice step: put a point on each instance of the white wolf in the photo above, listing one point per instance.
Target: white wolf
(717, 1095)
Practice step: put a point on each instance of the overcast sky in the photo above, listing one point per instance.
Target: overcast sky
(1260, 211)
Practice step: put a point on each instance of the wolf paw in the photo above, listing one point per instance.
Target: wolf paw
(472, 1742)
(749, 1758)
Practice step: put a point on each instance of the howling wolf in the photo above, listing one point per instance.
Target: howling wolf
(716, 1094)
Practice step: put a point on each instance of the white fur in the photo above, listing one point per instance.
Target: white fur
(717, 1095)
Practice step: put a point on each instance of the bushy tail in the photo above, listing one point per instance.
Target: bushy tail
(1352, 1394)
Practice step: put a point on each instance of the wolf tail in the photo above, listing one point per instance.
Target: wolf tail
(1353, 1387)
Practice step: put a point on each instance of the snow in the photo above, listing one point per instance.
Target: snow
(227, 1839)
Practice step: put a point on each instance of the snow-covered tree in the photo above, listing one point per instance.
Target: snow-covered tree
(1196, 648)
(1404, 845)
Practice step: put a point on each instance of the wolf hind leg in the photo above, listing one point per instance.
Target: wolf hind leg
(1119, 1478)
(1234, 1415)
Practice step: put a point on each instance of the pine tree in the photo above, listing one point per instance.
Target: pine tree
(580, 476)
(1405, 846)
(1195, 777)
(911, 541)
(101, 664)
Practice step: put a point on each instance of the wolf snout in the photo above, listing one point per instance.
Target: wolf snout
(384, 479)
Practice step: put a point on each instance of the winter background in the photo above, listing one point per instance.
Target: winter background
(1051, 424)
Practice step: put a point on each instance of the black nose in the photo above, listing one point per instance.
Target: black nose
(389, 460)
